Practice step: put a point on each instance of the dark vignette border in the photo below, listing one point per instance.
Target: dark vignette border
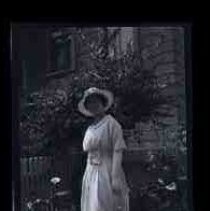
(198, 133)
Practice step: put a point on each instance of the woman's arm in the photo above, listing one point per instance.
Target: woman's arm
(116, 164)
(118, 147)
(116, 170)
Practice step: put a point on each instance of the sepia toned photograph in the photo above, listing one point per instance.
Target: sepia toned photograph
(101, 117)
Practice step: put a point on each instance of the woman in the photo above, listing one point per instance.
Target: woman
(104, 187)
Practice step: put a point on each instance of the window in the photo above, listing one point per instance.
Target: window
(61, 53)
(61, 48)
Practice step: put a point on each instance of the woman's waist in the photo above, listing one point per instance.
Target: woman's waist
(97, 158)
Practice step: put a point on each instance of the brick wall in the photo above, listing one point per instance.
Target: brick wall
(163, 52)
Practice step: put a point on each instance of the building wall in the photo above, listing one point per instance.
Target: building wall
(161, 55)
(33, 56)
(162, 51)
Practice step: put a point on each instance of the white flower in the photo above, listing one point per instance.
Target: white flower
(111, 54)
(183, 149)
(153, 165)
(38, 200)
(29, 205)
(47, 201)
(92, 45)
(165, 168)
(160, 181)
(151, 157)
(171, 186)
(184, 132)
(99, 50)
(162, 85)
(184, 140)
(50, 102)
(55, 180)
(56, 34)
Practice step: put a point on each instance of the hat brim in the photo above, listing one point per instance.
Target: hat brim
(107, 94)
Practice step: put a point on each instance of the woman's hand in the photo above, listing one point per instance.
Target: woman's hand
(116, 185)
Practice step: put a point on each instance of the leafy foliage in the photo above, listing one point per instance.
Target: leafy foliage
(166, 187)
(53, 119)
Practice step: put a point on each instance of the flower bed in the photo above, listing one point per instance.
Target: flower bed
(157, 181)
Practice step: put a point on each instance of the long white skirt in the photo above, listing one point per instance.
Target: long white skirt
(97, 194)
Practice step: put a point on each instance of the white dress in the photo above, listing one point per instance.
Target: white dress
(100, 141)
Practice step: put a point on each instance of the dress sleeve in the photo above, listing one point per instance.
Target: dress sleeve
(87, 141)
(117, 137)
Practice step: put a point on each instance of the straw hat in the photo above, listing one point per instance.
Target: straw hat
(93, 90)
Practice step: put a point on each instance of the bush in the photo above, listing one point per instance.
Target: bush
(50, 117)
(166, 185)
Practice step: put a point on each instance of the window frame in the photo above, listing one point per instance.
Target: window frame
(59, 72)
